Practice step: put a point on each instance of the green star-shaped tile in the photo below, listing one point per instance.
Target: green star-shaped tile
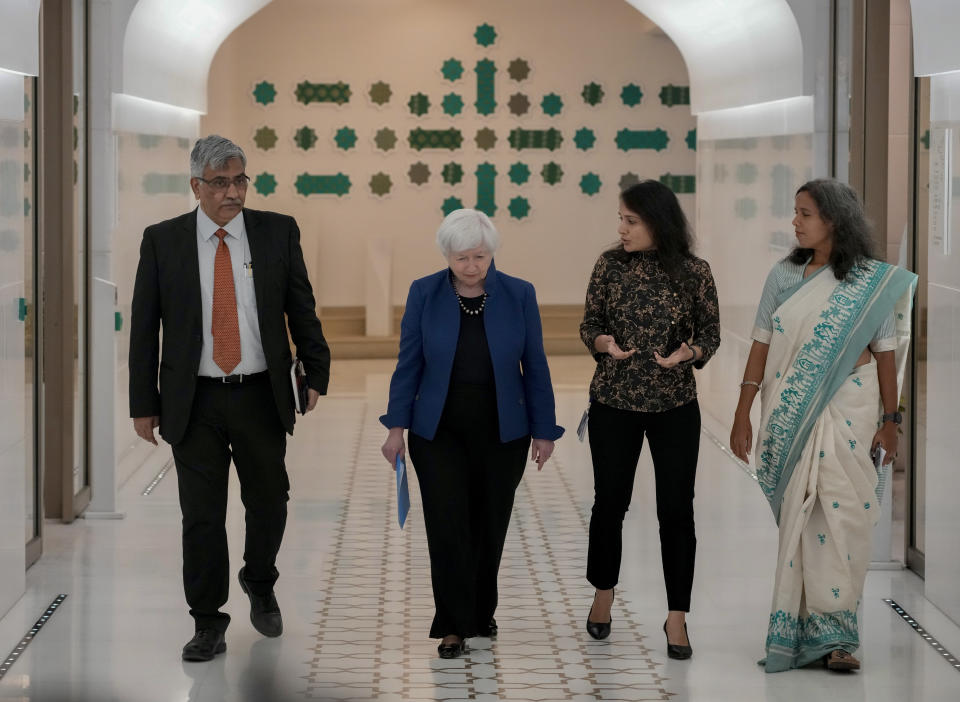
(519, 207)
(26, 138)
(452, 104)
(551, 104)
(451, 204)
(592, 94)
(265, 138)
(590, 184)
(265, 184)
(380, 93)
(486, 139)
(380, 184)
(584, 139)
(452, 173)
(419, 104)
(385, 139)
(628, 179)
(264, 92)
(551, 173)
(519, 104)
(305, 138)
(692, 140)
(485, 35)
(519, 173)
(631, 95)
(345, 138)
(419, 173)
(452, 69)
(26, 207)
(518, 69)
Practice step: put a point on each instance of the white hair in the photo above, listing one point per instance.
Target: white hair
(466, 229)
(213, 151)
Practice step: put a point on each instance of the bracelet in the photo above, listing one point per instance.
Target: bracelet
(692, 359)
(750, 382)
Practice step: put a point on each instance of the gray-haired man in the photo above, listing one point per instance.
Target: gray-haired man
(225, 282)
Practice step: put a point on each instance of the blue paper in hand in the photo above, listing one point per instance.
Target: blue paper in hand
(403, 492)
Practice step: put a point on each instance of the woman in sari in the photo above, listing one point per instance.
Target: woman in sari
(828, 356)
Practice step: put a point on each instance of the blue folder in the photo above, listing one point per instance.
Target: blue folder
(403, 492)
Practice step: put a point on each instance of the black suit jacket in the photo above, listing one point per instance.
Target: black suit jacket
(167, 293)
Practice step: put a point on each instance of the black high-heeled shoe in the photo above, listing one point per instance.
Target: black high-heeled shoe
(678, 651)
(599, 630)
(452, 650)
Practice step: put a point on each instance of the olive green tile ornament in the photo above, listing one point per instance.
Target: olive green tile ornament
(519, 104)
(265, 138)
(420, 139)
(631, 95)
(627, 179)
(452, 173)
(519, 207)
(519, 173)
(452, 104)
(746, 173)
(486, 138)
(451, 204)
(345, 138)
(338, 93)
(308, 184)
(380, 93)
(584, 139)
(146, 141)
(305, 138)
(486, 103)
(592, 94)
(419, 173)
(691, 140)
(485, 34)
(680, 184)
(552, 104)
(452, 69)
(486, 188)
(925, 140)
(419, 104)
(518, 69)
(745, 208)
(551, 173)
(385, 139)
(656, 139)
(166, 183)
(590, 184)
(782, 179)
(380, 184)
(264, 92)
(265, 184)
(672, 95)
(549, 139)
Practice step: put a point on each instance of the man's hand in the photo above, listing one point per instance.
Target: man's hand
(312, 397)
(144, 427)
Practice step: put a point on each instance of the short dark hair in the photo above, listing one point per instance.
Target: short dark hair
(838, 205)
(658, 207)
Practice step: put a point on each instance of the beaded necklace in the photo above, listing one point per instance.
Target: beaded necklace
(472, 313)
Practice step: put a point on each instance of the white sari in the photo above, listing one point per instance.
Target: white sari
(819, 417)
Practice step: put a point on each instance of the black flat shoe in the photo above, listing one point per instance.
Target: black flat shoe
(491, 631)
(598, 630)
(264, 610)
(452, 650)
(676, 651)
(204, 645)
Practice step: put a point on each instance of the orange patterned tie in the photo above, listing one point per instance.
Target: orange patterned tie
(226, 327)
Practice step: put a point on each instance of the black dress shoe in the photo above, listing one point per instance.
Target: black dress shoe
(452, 650)
(204, 645)
(598, 630)
(264, 610)
(491, 630)
(676, 651)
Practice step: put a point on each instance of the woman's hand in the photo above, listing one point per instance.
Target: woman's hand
(540, 451)
(887, 437)
(741, 437)
(394, 446)
(604, 343)
(681, 355)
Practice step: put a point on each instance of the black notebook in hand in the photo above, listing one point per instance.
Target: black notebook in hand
(298, 381)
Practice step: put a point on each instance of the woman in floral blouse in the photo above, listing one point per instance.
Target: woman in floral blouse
(651, 317)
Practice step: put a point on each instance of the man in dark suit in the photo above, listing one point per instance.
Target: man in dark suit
(225, 283)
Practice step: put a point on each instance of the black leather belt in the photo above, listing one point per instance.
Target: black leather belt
(239, 378)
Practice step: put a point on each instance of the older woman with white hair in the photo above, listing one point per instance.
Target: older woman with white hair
(472, 385)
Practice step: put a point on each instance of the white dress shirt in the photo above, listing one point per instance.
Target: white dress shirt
(252, 359)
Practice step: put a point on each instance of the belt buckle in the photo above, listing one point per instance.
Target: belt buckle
(226, 380)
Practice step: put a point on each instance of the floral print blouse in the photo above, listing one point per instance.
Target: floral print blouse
(631, 297)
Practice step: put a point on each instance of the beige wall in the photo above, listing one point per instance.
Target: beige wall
(567, 43)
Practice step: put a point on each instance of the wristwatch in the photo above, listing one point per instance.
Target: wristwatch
(894, 417)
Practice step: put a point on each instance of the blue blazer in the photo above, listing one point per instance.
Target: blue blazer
(428, 342)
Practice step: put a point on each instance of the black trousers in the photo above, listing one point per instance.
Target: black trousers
(238, 421)
(467, 478)
(616, 437)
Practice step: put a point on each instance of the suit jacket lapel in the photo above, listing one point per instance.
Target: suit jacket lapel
(191, 262)
(258, 241)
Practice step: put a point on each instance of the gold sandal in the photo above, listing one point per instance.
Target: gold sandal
(840, 660)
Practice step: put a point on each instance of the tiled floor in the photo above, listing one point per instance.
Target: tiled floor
(356, 597)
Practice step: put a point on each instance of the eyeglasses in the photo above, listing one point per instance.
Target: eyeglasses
(221, 184)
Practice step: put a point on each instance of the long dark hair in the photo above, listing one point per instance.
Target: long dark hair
(660, 210)
(839, 206)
